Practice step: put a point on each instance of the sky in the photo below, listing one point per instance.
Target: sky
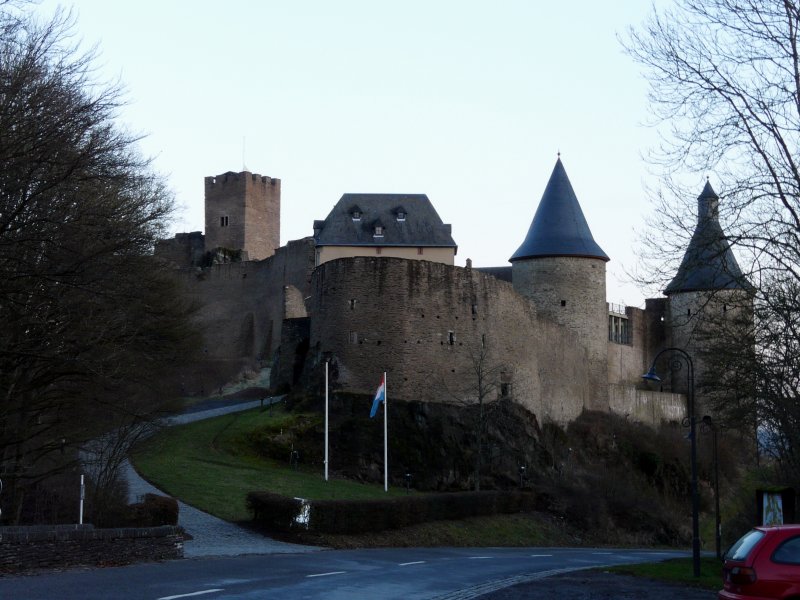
(466, 101)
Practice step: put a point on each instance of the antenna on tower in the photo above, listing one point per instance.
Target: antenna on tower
(244, 164)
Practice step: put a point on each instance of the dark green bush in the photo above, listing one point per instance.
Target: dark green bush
(273, 511)
(360, 516)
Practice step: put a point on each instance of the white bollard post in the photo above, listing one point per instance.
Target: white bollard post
(83, 493)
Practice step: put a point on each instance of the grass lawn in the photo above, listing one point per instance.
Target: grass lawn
(210, 465)
(678, 570)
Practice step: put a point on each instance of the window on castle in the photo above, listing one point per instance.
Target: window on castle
(352, 303)
(353, 337)
(474, 309)
(505, 390)
(563, 303)
(401, 215)
(419, 250)
(451, 338)
(378, 231)
(356, 214)
(223, 221)
(619, 330)
(378, 250)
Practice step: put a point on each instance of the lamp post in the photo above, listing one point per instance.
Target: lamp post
(709, 424)
(652, 376)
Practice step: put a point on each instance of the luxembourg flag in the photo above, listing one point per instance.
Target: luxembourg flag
(380, 396)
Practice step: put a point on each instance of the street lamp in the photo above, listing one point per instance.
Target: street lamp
(708, 423)
(652, 376)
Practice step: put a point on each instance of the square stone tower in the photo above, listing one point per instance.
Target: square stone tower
(243, 212)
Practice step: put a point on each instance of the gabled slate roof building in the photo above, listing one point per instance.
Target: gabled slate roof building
(397, 225)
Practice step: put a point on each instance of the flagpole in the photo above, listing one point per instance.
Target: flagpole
(326, 420)
(385, 436)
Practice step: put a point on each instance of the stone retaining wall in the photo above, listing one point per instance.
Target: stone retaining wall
(48, 547)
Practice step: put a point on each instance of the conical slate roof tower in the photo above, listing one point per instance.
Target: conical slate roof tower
(559, 227)
(562, 271)
(708, 263)
(708, 295)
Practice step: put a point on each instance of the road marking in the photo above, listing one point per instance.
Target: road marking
(416, 562)
(192, 594)
(541, 555)
(326, 574)
(602, 553)
(479, 557)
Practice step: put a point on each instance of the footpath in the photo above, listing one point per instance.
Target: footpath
(212, 536)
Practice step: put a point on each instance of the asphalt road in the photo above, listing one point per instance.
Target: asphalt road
(407, 573)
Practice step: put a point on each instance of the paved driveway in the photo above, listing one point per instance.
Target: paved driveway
(212, 536)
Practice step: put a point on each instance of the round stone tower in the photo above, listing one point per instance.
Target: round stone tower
(562, 270)
(708, 295)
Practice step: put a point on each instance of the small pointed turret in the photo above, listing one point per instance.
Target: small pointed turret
(709, 263)
(559, 227)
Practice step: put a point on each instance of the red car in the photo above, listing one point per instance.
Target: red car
(764, 563)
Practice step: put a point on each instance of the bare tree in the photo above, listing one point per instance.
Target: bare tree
(488, 380)
(725, 83)
(90, 324)
(725, 87)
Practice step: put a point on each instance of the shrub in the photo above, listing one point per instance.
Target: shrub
(275, 512)
(153, 511)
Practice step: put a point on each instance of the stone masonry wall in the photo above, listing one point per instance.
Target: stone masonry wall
(242, 305)
(571, 291)
(288, 365)
(183, 250)
(45, 547)
(691, 320)
(243, 212)
(426, 322)
(647, 406)
(628, 362)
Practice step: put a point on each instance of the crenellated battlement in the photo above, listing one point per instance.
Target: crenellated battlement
(236, 179)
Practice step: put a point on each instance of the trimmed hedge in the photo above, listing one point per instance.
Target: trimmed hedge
(279, 513)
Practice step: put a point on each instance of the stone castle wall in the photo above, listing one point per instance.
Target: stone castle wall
(693, 318)
(243, 213)
(627, 362)
(646, 406)
(183, 250)
(426, 323)
(571, 291)
(242, 304)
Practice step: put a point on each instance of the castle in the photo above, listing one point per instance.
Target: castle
(375, 289)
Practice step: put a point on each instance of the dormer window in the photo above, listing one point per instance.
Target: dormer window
(356, 214)
(378, 231)
(401, 215)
